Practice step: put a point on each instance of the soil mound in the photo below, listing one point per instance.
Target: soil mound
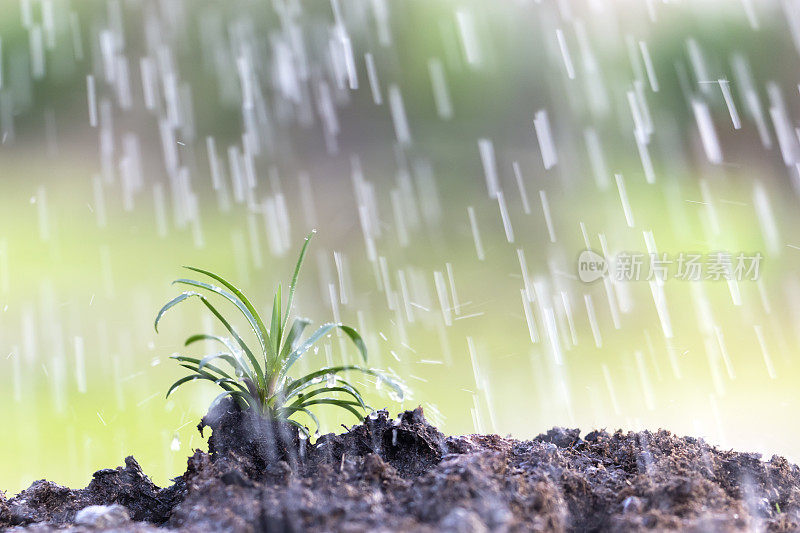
(402, 474)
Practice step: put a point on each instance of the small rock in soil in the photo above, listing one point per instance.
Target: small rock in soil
(102, 516)
(460, 520)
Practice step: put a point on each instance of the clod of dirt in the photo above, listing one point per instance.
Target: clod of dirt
(132, 489)
(43, 501)
(49, 503)
(408, 443)
(403, 475)
(3, 506)
(249, 437)
(561, 437)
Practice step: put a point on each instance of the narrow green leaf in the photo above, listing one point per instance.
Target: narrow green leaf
(357, 340)
(293, 284)
(302, 381)
(181, 382)
(228, 344)
(205, 337)
(243, 371)
(316, 336)
(300, 426)
(225, 383)
(244, 400)
(344, 390)
(344, 404)
(251, 387)
(239, 294)
(316, 382)
(237, 365)
(222, 382)
(170, 304)
(196, 362)
(317, 374)
(311, 415)
(298, 326)
(275, 326)
(253, 361)
(304, 347)
(251, 320)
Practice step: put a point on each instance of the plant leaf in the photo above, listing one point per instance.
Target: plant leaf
(225, 383)
(298, 326)
(252, 389)
(239, 368)
(251, 320)
(344, 404)
(194, 377)
(345, 390)
(275, 327)
(237, 363)
(205, 337)
(300, 382)
(311, 415)
(316, 336)
(180, 382)
(239, 294)
(196, 362)
(228, 344)
(313, 383)
(259, 374)
(169, 305)
(245, 400)
(300, 426)
(293, 284)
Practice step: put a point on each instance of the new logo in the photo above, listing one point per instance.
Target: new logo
(591, 266)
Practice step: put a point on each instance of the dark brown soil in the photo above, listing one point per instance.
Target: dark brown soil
(403, 475)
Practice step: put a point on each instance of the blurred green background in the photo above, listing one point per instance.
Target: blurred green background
(98, 216)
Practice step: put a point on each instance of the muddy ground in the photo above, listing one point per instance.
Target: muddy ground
(403, 475)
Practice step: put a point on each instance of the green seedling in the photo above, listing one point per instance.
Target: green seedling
(258, 377)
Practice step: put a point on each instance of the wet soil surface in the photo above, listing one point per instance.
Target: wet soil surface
(402, 474)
